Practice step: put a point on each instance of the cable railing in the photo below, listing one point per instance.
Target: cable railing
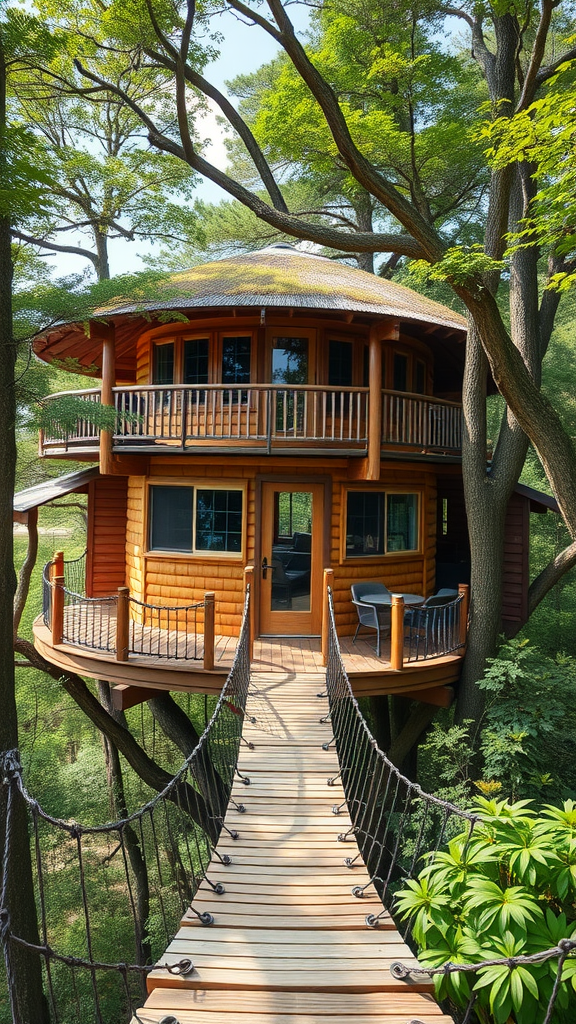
(397, 827)
(121, 625)
(110, 897)
(432, 632)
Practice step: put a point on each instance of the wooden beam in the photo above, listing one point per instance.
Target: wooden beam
(374, 405)
(440, 696)
(105, 333)
(125, 696)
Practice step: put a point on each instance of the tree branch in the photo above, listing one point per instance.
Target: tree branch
(538, 49)
(75, 250)
(404, 244)
(550, 576)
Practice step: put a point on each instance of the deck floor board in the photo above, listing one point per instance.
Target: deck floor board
(289, 943)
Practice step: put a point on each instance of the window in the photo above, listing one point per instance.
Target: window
(195, 519)
(236, 360)
(378, 523)
(195, 361)
(340, 372)
(400, 372)
(163, 364)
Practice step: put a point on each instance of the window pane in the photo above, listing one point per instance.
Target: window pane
(420, 377)
(402, 522)
(196, 361)
(290, 361)
(365, 523)
(400, 372)
(218, 520)
(340, 363)
(236, 360)
(163, 364)
(171, 518)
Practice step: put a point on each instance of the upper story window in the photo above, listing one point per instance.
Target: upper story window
(380, 522)
(195, 520)
(340, 363)
(227, 360)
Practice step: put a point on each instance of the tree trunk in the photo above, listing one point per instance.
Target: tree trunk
(101, 262)
(24, 971)
(26, 570)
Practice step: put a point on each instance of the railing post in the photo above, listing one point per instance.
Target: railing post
(327, 583)
(397, 633)
(57, 608)
(209, 609)
(123, 624)
(249, 582)
(464, 589)
(57, 565)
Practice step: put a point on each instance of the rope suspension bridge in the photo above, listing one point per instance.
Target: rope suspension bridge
(259, 884)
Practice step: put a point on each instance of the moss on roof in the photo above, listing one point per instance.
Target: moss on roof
(283, 276)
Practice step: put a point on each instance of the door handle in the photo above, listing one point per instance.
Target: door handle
(265, 567)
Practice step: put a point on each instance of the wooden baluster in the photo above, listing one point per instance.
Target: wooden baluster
(123, 624)
(327, 582)
(57, 608)
(57, 565)
(397, 633)
(463, 588)
(209, 609)
(249, 582)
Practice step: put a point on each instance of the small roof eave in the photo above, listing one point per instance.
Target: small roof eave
(539, 501)
(49, 490)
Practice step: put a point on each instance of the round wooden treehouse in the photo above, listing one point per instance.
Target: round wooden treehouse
(276, 410)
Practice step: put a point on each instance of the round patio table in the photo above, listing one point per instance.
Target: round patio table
(382, 601)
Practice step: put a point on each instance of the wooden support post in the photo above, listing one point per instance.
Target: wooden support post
(123, 624)
(249, 582)
(209, 608)
(57, 609)
(57, 565)
(374, 404)
(463, 588)
(125, 696)
(105, 334)
(397, 633)
(328, 582)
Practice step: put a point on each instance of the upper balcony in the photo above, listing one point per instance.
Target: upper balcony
(269, 418)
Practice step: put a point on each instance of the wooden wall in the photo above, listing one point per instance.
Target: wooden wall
(183, 579)
(106, 539)
(516, 562)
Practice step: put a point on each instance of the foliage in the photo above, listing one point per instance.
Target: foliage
(525, 738)
(507, 888)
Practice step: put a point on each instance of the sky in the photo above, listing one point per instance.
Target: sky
(243, 49)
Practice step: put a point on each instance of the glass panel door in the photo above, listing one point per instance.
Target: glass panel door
(290, 365)
(291, 568)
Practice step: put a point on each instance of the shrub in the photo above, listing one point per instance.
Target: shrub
(507, 889)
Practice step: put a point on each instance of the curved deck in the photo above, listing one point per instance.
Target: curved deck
(289, 941)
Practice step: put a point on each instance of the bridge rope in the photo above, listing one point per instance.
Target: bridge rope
(394, 822)
(159, 855)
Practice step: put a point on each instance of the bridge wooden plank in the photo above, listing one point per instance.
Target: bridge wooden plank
(294, 1003)
(289, 943)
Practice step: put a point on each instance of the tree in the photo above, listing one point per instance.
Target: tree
(510, 45)
(105, 183)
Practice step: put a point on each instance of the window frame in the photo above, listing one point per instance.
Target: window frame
(407, 554)
(215, 353)
(196, 554)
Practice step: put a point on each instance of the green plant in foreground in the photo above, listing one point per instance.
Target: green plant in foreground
(506, 888)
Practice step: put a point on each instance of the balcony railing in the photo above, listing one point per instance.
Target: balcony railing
(419, 421)
(119, 624)
(269, 417)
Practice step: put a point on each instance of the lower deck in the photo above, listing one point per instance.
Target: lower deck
(430, 679)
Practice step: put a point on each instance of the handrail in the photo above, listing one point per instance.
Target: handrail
(121, 625)
(171, 838)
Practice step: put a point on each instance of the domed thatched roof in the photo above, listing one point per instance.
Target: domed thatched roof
(277, 277)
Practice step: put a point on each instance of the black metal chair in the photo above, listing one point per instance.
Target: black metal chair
(368, 614)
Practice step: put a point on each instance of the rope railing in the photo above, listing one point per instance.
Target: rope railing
(166, 631)
(110, 896)
(121, 625)
(394, 823)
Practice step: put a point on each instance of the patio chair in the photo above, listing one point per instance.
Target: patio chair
(287, 582)
(368, 614)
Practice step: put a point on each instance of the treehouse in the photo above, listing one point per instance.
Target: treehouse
(272, 416)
